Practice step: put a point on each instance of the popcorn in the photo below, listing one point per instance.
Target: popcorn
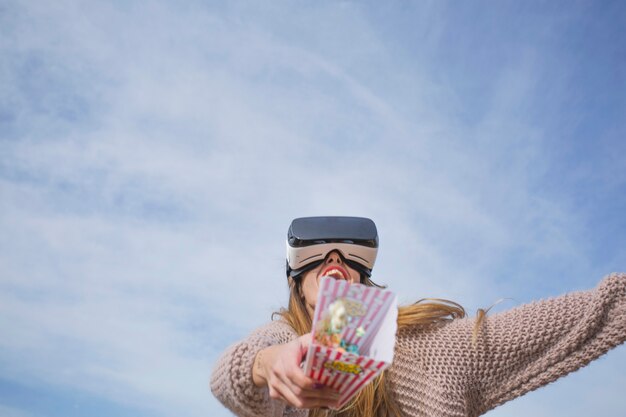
(338, 316)
(354, 331)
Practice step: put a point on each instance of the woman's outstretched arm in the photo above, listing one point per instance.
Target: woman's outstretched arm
(231, 379)
(534, 344)
(261, 375)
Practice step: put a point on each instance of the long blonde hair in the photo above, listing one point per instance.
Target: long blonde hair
(375, 400)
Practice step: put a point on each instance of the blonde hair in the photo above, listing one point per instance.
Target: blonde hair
(375, 400)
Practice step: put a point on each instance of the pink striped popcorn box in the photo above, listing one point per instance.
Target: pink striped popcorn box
(354, 330)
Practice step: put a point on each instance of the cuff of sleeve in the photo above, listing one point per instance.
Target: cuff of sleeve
(241, 377)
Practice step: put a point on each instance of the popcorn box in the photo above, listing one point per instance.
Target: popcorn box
(354, 330)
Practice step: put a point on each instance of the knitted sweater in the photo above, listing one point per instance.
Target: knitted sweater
(437, 371)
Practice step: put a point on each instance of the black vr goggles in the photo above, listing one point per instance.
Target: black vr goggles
(310, 239)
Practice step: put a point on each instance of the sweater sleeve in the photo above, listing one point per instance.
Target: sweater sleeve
(534, 344)
(231, 379)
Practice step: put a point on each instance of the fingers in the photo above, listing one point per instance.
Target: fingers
(296, 389)
(287, 382)
(283, 390)
(279, 390)
(305, 341)
(299, 379)
(304, 387)
(302, 344)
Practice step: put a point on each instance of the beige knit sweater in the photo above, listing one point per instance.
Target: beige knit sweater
(437, 372)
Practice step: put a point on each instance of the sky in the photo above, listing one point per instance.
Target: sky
(153, 154)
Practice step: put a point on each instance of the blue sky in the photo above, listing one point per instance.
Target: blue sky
(153, 154)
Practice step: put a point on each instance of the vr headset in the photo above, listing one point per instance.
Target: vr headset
(310, 239)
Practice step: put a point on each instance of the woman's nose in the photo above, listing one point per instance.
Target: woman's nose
(334, 257)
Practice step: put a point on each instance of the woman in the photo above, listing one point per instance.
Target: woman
(444, 364)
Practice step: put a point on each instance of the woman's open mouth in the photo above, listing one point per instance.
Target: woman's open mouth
(336, 272)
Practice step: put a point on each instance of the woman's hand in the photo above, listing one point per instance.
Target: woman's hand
(278, 368)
